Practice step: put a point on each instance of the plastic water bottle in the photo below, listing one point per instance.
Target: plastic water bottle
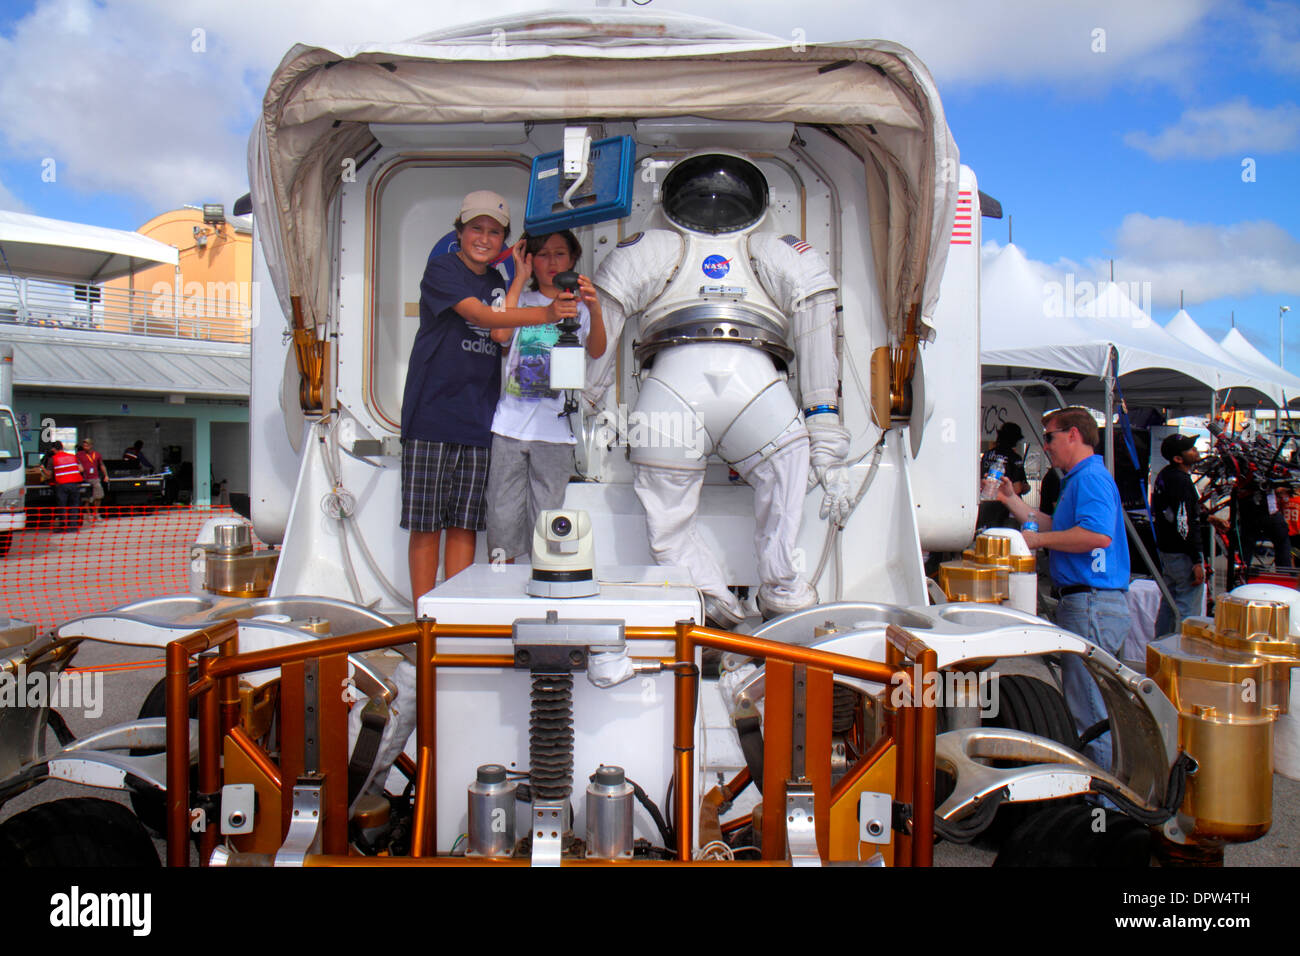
(993, 478)
(1030, 525)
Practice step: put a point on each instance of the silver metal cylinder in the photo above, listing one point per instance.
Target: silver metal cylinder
(232, 538)
(492, 813)
(609, 815)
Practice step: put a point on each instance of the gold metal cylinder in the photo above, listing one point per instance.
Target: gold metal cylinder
(1231, 796)
(968, 581)
(1268, 620)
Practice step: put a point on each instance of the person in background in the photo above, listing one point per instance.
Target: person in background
(135, 456)
(1176, 507)
(1088, 549)
(94, 472)
(67, 487)
(994, 514)
(1289, 503)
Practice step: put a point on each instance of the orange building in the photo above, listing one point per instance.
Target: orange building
(207, 296)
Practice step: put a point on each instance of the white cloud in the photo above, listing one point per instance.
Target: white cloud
(1015, 40)
(128, 98)
(1235, 128)
(115, 93)
(1277, 31)
(10, 202)
(1203, 260)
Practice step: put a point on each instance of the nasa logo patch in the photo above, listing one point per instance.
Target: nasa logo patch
(715, 267)
(631, 240)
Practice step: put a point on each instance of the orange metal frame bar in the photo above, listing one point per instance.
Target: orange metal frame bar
(911, 726)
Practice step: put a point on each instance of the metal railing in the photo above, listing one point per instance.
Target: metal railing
(221, 313)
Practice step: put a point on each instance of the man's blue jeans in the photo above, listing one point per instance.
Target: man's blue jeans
(1103, 618)
(1187, 593)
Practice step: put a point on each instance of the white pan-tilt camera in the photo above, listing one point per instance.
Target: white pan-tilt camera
(564, 555)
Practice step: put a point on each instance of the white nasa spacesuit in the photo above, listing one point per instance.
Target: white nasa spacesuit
(723, 311)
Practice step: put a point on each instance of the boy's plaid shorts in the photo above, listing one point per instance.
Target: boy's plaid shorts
(443, 485)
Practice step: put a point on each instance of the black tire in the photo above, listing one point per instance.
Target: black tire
(151, 805)
(6, 539)
(1071, 833)
(80, 831)
(1036, 707)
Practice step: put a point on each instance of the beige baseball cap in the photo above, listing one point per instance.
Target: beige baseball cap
(484, 202)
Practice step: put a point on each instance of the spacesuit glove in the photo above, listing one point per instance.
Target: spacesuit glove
(828, 445)
(838, 500)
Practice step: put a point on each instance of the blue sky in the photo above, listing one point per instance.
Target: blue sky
(1124, 144)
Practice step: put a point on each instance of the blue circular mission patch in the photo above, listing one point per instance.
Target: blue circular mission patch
(715, 267)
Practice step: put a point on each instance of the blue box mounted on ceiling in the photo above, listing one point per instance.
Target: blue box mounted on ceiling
(605, 194)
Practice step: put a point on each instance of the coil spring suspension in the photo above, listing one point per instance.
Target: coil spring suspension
(550, 737)
(844, 708)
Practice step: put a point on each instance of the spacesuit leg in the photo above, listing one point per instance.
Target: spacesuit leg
(779, 475)
(667, 446)
(671, 498)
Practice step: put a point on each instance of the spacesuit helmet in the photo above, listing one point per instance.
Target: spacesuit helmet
(714, 193)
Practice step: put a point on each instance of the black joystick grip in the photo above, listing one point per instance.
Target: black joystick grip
(568, 282)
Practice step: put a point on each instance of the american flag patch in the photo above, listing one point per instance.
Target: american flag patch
(796, 243)
(962, 222)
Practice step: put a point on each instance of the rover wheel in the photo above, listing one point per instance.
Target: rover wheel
(79, 831)
(1036, 707)
(1074, 833)
(151, 805)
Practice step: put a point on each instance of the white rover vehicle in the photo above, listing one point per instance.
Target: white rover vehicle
(358, 165)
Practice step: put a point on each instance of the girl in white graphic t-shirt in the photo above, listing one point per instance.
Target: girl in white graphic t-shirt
(532, 443)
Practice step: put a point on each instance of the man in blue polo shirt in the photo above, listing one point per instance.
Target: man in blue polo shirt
(1088, 548)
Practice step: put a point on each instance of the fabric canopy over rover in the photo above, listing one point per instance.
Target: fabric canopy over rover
(607, 66)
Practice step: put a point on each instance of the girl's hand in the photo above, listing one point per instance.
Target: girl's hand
(587, 292)
(563, 306)
(523, 261)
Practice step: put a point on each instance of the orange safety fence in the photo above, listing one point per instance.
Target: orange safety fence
(58, 569)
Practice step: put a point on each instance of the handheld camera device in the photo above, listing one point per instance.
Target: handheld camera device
(568, 359)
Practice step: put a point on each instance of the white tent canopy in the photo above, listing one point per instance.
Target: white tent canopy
(74, 252)
(1233, 374)
(1027, 323)
(1249, 357)
(876, 96)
